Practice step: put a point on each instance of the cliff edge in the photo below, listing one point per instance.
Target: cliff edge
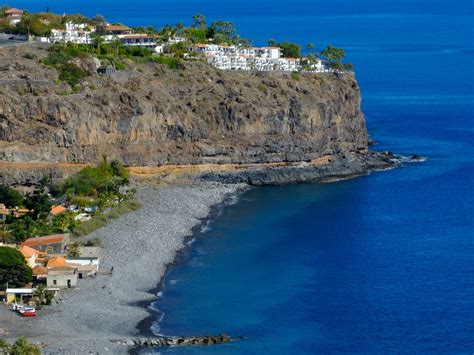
(152, 115)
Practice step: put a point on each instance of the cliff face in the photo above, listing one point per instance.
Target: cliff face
(153, 115)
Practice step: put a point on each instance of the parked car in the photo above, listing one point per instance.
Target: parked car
(18, 306)
(29, 313)
(27, 310)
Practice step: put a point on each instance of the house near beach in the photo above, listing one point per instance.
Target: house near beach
(62, 277)
(86, 266)
(32, 256)
(49, 244)
(116, 30)
(13, 15)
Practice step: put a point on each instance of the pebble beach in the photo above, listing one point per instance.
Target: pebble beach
(140, 247)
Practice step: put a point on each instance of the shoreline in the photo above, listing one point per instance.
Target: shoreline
(144, 326)
(144, 245)
(141, 246)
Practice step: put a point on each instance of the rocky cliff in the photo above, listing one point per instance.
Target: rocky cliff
(152, 115)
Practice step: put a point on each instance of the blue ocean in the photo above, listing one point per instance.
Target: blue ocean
(382, 263)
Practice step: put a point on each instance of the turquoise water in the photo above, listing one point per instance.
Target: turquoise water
(383, 263)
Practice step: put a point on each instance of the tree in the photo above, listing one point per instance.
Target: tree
(63, 223)
(9, 197)
(224, 29)
(13, 268)
(272, 43)
(23, 347)
(40, 293)
(6, 236)
(199, 21)
(333, 54)
(73, 250)
(290, 50)
(40, 203)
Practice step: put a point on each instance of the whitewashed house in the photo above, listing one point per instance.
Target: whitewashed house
(13, 15)
(73, 33)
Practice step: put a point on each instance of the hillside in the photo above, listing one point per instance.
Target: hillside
(152, 115)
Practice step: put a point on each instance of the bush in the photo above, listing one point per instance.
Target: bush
(261, 87)
(295, 76)
(72, 74)
(172, 63)
(29, 56)
(101, 219)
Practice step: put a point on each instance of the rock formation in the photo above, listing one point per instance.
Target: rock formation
(151, 115)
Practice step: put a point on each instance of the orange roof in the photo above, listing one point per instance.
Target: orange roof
(51, 239)
(39, 270)
(57, 261)
(117, 28)
(27, 251)
(13, 11)
(57, 209)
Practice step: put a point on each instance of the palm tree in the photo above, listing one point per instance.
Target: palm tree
(4, 347)
(23, 347)
(40, 293)
(97, 41)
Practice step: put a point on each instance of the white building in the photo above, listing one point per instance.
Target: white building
(13, 15)
(250, 58)
(73, 33)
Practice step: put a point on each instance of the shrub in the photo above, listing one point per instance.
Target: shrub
(261, 87)
(295, 76)
(29, 56)
(101, 219)
(172, 63)
(72, 74)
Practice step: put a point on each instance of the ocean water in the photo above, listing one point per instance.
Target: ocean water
(382, 263)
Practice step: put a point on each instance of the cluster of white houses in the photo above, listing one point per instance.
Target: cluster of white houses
(251, 58)
(220, 56)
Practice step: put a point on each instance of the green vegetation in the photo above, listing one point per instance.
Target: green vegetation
(334, 57)
(95, 184)
(295, 76)
(93, 187)
(61, 58)
(43, 295)
(13, 268)
(288, 49)
(102, 219)
(20, 347)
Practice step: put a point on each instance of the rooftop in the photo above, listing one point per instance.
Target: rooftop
(39, 270)
(55, 262)
(13, 11)
(38, 241)
(117, 28)
(57, 209)
(27, 251)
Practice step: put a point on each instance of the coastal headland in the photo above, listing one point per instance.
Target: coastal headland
(191, 137)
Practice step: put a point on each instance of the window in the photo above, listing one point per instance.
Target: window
(55, 282)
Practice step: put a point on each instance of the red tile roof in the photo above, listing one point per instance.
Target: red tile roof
(27, 251)
(39, 270)
(117, 28)
(57, 209)
(13, 11)
(51, 239)
(57, 261)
